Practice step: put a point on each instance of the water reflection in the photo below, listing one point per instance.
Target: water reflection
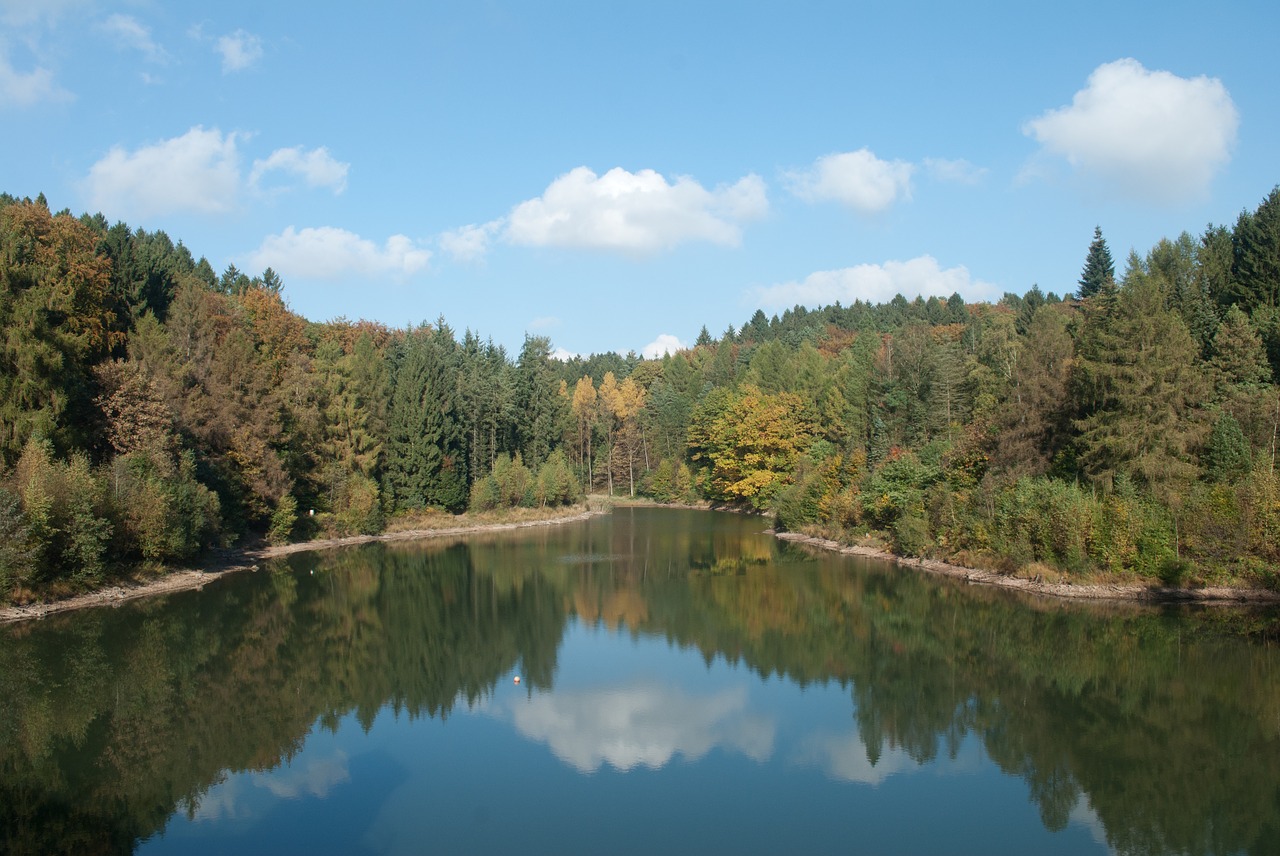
(641, 724)
(680, 659)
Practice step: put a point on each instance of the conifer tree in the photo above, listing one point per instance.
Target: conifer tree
(1099, 269)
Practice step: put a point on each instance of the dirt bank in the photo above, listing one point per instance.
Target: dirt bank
(229, 562)
(1150, 594)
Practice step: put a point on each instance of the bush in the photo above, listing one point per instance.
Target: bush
(67, 524)
(556, 484)
(509, 484)
(283, 519)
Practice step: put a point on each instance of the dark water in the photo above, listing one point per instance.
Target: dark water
(687, 685)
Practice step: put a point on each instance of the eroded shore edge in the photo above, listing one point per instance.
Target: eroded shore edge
(1146, 594)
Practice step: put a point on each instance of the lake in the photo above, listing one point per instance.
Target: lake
(686, 684)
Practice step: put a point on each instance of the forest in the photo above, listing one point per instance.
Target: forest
(152, 409)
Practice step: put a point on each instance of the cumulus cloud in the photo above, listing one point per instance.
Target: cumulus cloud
(129, 33)
(471, 242)
(23, 89)
(1150, 134)
(637, 213)
(327, 252)
(858, 179)
(871, 283)
(199, 171)
(317, 167)
(239, 50)
(659, 347)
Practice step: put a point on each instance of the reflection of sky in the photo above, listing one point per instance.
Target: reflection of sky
(844, 757)
(634, 730)
(242, 802)
(313, 773)
(644, 723)
(1086, 818)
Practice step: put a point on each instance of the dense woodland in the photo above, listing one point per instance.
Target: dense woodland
(151, 408)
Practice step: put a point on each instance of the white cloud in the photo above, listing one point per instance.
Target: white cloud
(857, 179)
(664, 344)
(18, 89)
(563, 355)
(317, 167)
(239, 50)
(955, 171)
(328, 252)
(635, 213)
(199, 171)
(1151, 134)
(129, 33)
(641, 724)
(471, 242)
(870, 283)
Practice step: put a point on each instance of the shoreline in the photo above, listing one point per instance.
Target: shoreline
(1066, 591)
(236, 561)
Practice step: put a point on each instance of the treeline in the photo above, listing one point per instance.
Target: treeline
(151, 408)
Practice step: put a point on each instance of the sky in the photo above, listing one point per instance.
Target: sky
(615, 176)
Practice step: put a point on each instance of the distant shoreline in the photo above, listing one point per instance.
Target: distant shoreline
(236, 561)
(1071, 591)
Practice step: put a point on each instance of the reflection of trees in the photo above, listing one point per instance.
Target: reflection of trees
(114, 718)
(111, 719)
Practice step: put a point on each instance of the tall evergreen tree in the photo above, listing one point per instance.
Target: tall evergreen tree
(542, 413)
(1257, 254)
(1099, 269)
(426, 462)
(1139, 387)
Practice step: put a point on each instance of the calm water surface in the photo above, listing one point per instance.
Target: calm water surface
(687, 685)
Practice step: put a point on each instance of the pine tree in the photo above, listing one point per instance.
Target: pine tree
(1099, 269)
(1138, 385)
(1257, 254)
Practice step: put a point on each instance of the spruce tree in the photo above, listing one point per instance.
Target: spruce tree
(1098, 266)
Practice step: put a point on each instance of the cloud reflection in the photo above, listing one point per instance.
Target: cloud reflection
(641, 724)
(844, 757)
(240, 796)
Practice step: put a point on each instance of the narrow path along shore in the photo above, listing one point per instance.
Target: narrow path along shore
(233, 561)
(1092, 591)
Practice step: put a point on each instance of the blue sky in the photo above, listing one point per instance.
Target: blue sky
(615, 175)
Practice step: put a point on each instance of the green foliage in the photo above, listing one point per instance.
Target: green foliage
(556, 484)
(174, 405)
(896, 489)
(508, 485)
(15, 550)
(283, 519)
(1226, 455)
(161, 512)
(68, 523)
(1099, 270)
